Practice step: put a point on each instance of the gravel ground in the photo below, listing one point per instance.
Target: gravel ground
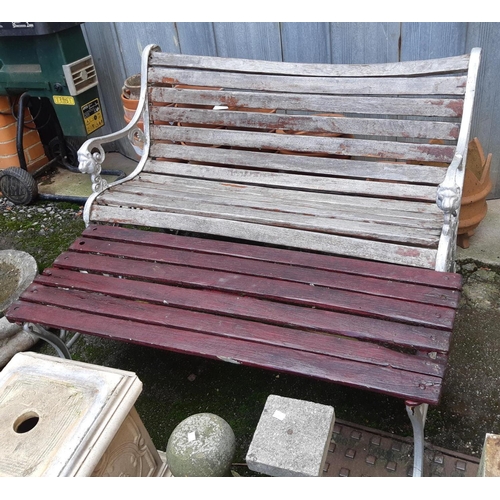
(43, 229)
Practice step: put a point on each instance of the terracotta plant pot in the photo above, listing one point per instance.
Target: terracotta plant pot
(477, 186)
(129, 108)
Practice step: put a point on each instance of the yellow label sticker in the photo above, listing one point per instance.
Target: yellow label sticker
(64, 99)
(92, 116)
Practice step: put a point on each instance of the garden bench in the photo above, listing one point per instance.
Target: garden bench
(293, 217)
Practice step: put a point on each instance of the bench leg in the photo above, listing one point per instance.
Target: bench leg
(49, 337)
(417, 414)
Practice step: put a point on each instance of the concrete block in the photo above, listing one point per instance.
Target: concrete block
(490, 457)
(291, 438)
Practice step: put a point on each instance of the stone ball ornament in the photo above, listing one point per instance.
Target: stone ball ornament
(202, 445)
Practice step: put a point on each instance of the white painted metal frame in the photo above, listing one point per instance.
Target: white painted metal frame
(449, 193)
(91, 154)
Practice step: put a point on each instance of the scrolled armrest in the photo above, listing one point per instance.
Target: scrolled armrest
(91, 154)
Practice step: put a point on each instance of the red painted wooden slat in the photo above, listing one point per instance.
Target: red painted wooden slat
(288, 292)
(260, 311)
(406, 385)
(373, 286)
(258, 252)
(212, 324)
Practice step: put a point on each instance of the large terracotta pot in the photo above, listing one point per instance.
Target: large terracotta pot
(477, 186)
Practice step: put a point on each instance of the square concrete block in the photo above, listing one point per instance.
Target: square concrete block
(292, 438)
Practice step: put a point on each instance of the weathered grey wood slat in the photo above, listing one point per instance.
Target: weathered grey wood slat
(307, 144)
(409, 106)
(431, 85)
(315, 124)
(445, 65)
(233, 198)
(293, 181)
(370, 231)
(378, 206)
(340, 245)
(291, 163)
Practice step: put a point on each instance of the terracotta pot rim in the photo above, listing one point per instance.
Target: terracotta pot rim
(483, 193)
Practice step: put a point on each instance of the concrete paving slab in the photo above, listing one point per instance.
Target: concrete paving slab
(62, 182)
(485, 243)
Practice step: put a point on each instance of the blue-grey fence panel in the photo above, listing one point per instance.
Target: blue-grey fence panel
(486, 121)
(306, 42)
(133, 37)
(248, 40)
(116, 50)
(364, 43)
(103, 44)
(197, 39)
(432, 40)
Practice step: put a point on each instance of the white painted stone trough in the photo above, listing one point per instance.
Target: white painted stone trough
(64, 418)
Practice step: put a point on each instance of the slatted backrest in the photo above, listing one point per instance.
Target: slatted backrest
(405, 112)
(341, 159)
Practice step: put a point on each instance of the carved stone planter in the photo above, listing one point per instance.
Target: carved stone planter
(65, 418)
(477, 186)
(17, 271)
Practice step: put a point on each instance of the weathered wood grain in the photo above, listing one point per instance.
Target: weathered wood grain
(312, 124)
(340, 220)
(340, 245)
(297, 182)
(379, 105)
(425, 237)
(431, 85)
(277, 200)
(305, 144)
(443, 65)
(401, 209)
(380, 170)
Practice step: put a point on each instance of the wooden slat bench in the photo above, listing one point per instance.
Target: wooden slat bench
(307, 214)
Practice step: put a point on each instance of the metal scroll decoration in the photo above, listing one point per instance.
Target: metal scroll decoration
(91, 163)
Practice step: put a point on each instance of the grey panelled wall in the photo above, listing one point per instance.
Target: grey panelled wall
(116, 48)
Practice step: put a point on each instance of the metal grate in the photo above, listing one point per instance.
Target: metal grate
(357, 451)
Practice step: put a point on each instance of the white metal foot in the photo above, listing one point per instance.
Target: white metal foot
(417, 414)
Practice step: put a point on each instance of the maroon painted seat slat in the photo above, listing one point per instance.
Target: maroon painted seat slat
(368, 325)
